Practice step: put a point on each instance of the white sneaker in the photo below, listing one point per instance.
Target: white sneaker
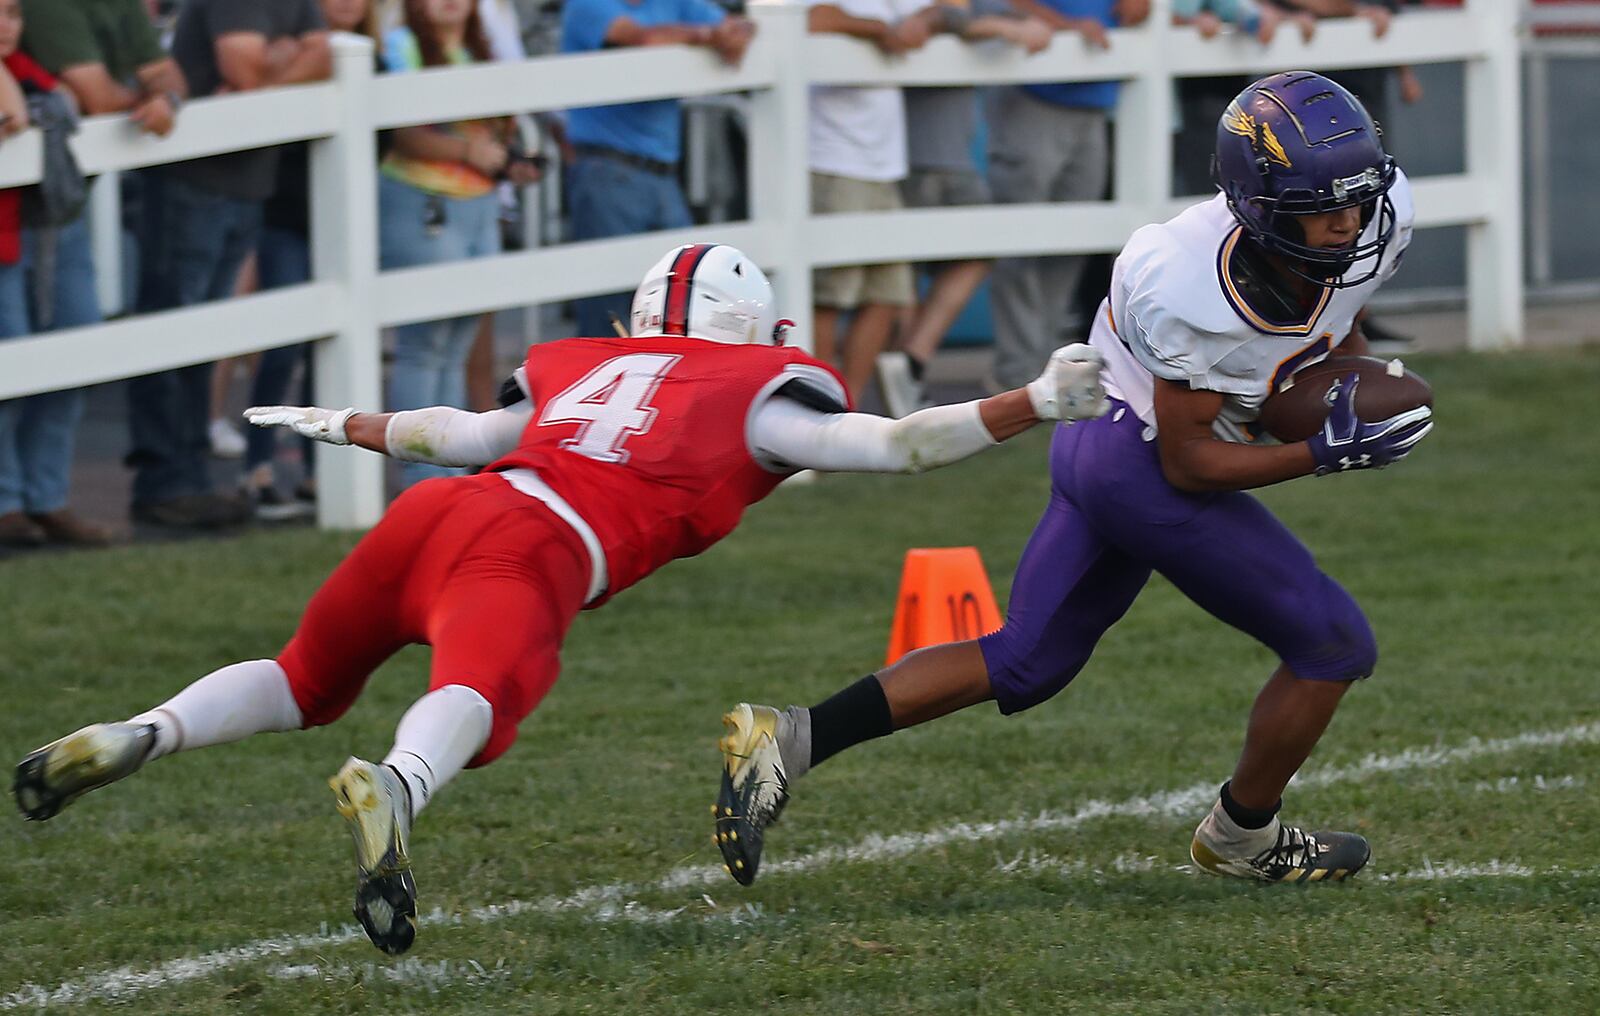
(226, 442)
(754, 787)
(375, 801)
(902, 392)
(52, 777)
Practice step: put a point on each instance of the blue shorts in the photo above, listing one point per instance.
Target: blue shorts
(1113, 519)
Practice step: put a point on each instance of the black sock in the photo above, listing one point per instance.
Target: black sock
(858, 713)
(1247, 818)
(917, 368)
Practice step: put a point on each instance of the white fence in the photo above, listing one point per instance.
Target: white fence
(349, 300)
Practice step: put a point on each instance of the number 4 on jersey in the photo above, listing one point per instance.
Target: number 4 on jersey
(612, 402)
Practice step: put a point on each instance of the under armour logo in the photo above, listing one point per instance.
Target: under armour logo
(1359, 462)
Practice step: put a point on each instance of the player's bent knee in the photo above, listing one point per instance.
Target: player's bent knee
(1343, 647)
(1023, 680)
(320, 696)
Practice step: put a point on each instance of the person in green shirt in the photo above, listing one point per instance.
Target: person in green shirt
(109, 55)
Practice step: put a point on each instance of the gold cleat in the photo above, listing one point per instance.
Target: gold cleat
(754, 787)
(1280, 853)
(375, 802)
(52, 777)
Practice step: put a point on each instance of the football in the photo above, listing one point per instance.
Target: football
(1300, 405)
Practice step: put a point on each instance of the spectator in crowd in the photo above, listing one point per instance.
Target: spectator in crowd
(1252, 16)
(625, 176)
(200, 220)
(437, 203)
(35, 432)
(858, 158)
(1049, 142)
(283, 258)
(1260, 19)
(941, 128)
(106, 54)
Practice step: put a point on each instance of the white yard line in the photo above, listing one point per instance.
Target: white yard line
(613, 901)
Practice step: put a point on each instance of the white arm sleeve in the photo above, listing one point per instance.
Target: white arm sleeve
(786, 434)
(455, 437)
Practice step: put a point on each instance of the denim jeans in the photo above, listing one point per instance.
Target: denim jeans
(192, 244)
(608, 197)
(283, 258)
(37, 432)
(430, 358)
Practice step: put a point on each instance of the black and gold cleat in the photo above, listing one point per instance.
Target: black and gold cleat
(754, 788)
(52, 777)
(376, 803)
(1294, 856)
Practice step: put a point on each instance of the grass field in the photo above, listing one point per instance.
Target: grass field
(1030, 865)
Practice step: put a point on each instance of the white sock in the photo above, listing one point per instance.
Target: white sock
(1224, 832)
(226, 705)
(437, 737)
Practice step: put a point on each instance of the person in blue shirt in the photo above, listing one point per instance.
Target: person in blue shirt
(1049, 142)
(625, 177)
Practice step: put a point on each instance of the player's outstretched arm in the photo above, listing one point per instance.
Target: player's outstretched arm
(787, 432)
(439, 435)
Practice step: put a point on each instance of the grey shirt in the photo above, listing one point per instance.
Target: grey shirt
(941, 124)
(252, 175)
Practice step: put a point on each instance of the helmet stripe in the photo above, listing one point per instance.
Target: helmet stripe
(680, 287)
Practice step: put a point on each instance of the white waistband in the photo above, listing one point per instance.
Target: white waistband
(529, 482)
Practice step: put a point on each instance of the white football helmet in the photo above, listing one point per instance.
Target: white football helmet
(707, 291)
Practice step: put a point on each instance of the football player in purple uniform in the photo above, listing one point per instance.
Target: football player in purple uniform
(1206, 313)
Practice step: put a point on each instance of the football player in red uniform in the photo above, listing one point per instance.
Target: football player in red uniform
(609, 458)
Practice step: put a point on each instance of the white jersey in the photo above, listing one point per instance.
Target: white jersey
(1174, 313)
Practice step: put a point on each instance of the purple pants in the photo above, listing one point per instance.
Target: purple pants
(1112, 519)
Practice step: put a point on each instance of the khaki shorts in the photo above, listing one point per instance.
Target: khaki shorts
(852, 286)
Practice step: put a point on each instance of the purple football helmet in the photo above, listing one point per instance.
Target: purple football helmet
(1297, 143)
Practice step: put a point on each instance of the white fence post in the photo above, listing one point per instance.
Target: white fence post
(1494, 157)
(105, 230)
(780, 174)
(344, 250)
(1142, 162)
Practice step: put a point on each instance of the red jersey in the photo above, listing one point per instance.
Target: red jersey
(646, 438)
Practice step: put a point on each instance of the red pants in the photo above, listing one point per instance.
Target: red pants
(487, 576)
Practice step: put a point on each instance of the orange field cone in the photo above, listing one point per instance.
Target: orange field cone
(945, 596)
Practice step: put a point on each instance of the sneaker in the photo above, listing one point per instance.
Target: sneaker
(194, 511)
(377, 804)
(271, 506)
(1382, 339)
(54, 776)
(226, 441)
(17, 530)
(754, 787)
(902, 392)
(65, 526)
(1276, 853)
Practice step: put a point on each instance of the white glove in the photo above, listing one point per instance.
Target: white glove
(1070, 388)
(325, 425)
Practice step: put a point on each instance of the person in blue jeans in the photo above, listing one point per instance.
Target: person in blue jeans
(625, 177)
(437, 202)
(36, 432)
(200, 220)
